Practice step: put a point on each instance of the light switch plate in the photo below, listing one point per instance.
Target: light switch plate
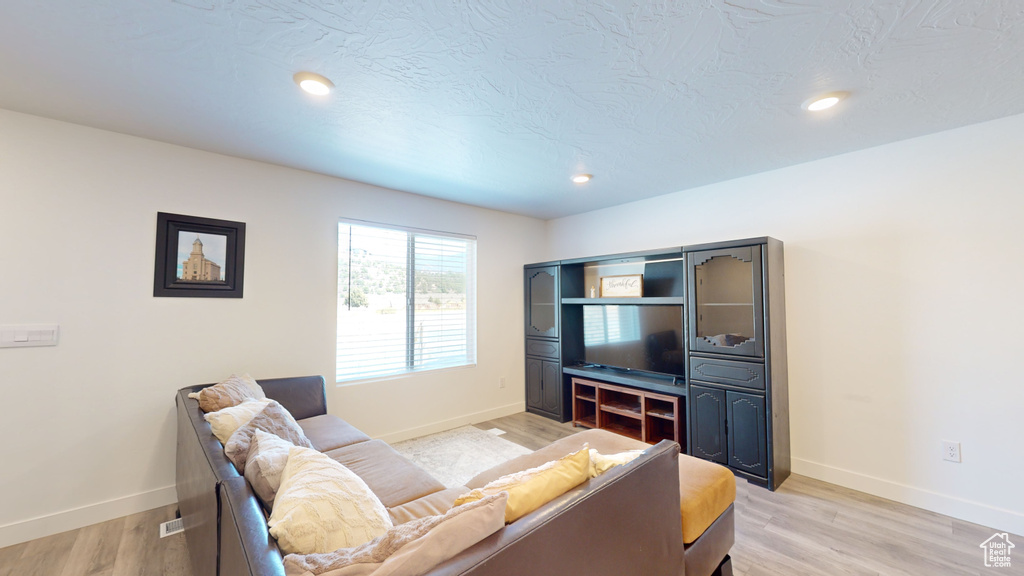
(24, 335)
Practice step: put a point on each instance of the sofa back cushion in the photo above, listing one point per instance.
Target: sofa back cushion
(328, 432)
(393, 478)
(302, 396)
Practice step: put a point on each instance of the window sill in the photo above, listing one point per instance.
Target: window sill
(401, 375)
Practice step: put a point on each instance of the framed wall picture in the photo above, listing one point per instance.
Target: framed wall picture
(626, 286)
(198, 257)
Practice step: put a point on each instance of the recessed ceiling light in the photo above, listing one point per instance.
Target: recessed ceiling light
(582, 178)
(823, 102)
(313, 83)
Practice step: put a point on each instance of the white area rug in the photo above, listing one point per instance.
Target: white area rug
(455, 456)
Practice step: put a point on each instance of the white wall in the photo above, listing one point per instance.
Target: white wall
(903, 294)
(88, 425)
(905, 313)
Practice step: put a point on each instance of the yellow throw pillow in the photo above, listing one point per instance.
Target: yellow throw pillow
(531, 489)
(601, 463)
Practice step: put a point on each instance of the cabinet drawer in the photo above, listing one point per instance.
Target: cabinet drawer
(542, 348)
(743, 374)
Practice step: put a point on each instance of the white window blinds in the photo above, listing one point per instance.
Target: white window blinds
(406, 300)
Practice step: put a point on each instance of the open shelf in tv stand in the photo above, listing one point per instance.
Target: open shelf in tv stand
(632, 412)
(662, 384)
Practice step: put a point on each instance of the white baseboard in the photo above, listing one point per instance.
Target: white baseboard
(463, 420)
(25, 530)
(33, 528)
(996, 518)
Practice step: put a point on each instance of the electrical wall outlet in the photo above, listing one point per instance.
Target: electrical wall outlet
(951, 451)
(501, 382)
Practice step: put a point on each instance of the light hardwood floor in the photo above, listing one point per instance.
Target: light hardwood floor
(128, 546)
(812, 528)
(805, 528)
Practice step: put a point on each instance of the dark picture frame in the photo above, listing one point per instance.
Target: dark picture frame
(207, 279)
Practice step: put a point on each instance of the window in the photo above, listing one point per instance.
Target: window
(406, 300)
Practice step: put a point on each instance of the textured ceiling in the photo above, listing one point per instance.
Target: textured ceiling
(496, 103)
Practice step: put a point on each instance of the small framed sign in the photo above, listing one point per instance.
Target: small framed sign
(198, 257)
(628, 286)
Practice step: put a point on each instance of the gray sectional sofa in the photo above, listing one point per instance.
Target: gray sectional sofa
(626, 521)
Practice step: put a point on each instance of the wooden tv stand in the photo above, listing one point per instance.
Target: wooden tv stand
(638, 414)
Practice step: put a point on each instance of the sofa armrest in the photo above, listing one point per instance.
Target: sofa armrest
(626, 521)
(246, 547)
(224, 523)
(196, 486)
(302, 396)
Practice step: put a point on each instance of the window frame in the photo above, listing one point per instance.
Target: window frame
(410, 368)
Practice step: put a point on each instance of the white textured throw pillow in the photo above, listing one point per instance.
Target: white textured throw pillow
(322, 506)
(601, 463)
(224, 422)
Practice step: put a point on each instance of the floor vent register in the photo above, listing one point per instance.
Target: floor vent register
(171, 527)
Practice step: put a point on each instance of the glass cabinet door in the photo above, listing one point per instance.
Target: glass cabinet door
(726, 302)
(542, 302)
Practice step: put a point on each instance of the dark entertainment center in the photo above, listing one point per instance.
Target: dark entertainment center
(685, 343)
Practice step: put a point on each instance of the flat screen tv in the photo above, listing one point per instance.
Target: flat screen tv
(635, 337)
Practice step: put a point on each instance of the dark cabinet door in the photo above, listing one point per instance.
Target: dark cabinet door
(726, 301)
(544, 386)
(748, 429)
(534, 383)
(707, 423)
(551, 392)
(542, 302)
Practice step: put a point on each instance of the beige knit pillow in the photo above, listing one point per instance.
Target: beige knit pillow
(230, 392)
(274, 419)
